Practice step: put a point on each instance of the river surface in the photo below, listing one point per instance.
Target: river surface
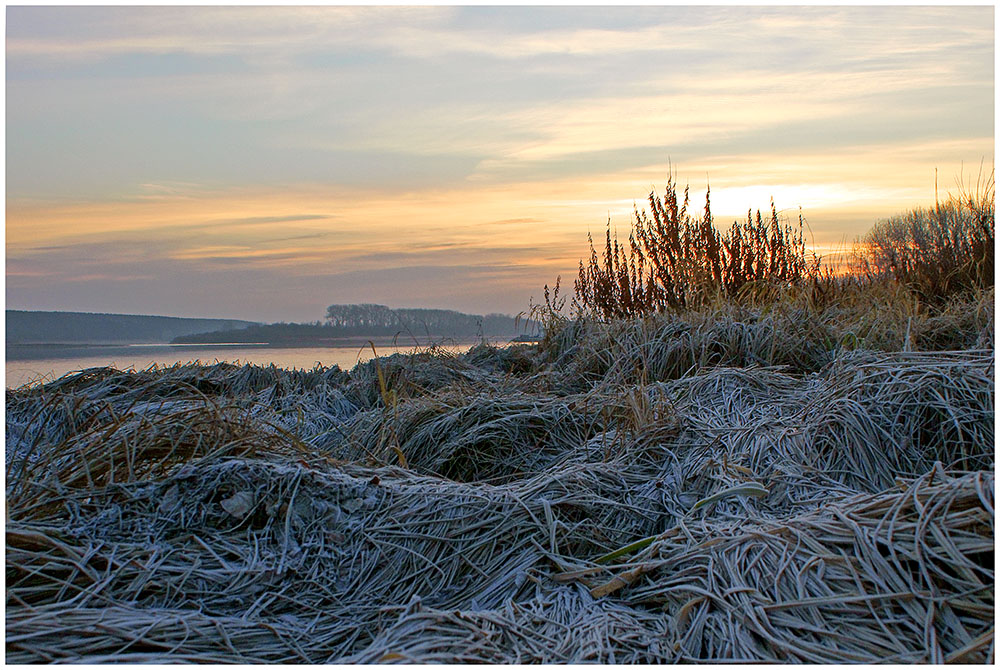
(31, 363)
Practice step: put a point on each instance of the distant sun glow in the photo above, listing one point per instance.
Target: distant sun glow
(265, 162)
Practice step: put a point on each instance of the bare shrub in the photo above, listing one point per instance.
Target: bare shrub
(935, 252)
(675, 261)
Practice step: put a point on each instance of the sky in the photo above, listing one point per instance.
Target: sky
(265, 162)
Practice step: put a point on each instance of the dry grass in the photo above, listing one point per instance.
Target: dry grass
(586, 500)
(903, 576)
(677, 261)
(936, 252)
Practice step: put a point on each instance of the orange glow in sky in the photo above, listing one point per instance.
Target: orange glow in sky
(263, 163)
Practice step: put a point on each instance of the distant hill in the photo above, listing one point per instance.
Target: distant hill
(28, 327)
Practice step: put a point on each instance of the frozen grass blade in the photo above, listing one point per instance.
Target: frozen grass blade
(748, 489)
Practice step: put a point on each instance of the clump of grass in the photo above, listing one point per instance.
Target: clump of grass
(469, 434)
(938, 252)
(147, 442)
(793, 332)
(407, 375)
(808, 579)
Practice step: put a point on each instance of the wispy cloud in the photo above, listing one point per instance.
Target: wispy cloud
(452, 155)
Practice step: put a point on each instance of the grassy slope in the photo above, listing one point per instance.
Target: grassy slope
(438, 508)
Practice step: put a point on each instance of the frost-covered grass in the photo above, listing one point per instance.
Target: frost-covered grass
(790, 484)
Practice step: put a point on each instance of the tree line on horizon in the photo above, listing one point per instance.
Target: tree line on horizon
(371, 320)
(418, 321)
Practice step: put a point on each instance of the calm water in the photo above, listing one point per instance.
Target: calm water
(49, 363)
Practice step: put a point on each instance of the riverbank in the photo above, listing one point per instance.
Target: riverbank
(43, 351)
(738, 485)
(32, 366)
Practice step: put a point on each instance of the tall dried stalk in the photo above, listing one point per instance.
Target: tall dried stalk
(675, 261)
